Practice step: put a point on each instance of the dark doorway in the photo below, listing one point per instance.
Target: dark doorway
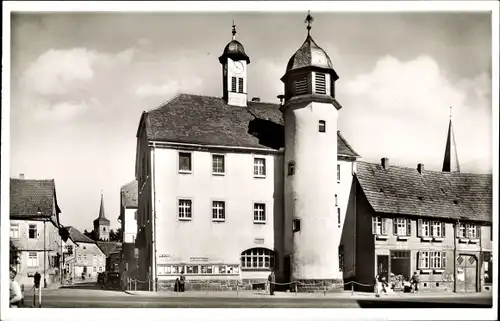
(400, 267)
(383, 266)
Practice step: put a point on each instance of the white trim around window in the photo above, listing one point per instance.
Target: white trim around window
(259, 167)
(32, 259)
(218, 164)
(14, 231)
(184, 209)
(259, 213)
(218, 210)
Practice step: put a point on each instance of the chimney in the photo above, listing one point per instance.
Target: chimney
(385, 163)
(256, 99)
(420, 168)
(21, 176)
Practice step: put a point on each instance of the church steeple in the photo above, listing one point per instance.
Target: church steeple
(101, 223)
(450, 163)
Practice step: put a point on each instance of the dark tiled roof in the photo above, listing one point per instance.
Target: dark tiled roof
(77, 236)
(402, 190)
(109, 247)
(209, 121)
(309, 55)
(29, 196)
(129, 193)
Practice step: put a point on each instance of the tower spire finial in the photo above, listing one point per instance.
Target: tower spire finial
(234, 31)
(309, 19)
(451, 108)
(450, 162)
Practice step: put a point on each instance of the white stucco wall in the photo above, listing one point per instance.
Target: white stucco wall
(310, 192)
(236, 98)
(130, 230)
(217, 242)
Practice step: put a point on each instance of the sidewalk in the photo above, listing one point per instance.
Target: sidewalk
(293, 295)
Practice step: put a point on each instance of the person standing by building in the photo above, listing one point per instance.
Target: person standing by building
(182, 280)
(16, 295)
(272, 282)
(414, 282)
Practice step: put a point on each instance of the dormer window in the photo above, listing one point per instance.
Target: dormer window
(322, 126)
(320, 83)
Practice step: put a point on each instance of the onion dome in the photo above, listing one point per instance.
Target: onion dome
(309, 55)
(234, 50)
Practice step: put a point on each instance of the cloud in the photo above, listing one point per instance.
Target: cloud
(169, 88)
(60, 111)
(403, 107)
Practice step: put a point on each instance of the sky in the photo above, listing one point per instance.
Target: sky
(80, 81)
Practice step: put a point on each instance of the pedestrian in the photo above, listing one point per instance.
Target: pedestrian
(414, 282)
(272, 281)
(182, 280)
(16, 295)
(176, 285)
(377, 286)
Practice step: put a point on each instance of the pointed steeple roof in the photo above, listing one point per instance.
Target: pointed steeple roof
(450, 163)
(102, 217)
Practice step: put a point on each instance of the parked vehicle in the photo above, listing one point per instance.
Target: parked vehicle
(112, 280)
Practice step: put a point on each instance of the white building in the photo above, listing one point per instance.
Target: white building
(230, 188)
(128, 221)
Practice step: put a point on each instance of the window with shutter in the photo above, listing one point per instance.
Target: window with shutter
(395, 226)
(443, 260)
(374, 225)
(419, 228)
(384, 226)
(419, 258)
(408, 227)
(301, 85)
(320, 83)
(443, 229)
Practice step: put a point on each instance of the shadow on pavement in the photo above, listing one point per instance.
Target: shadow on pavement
(89, 286)
(383, 304)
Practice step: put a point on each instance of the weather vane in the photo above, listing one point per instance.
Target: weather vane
(234, 31)
(309, 20)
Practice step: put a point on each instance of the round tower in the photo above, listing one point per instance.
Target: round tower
(310, 113)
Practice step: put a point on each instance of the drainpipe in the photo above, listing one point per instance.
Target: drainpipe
(153, 187)
(457, 225)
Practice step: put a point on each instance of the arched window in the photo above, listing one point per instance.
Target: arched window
(257, 259)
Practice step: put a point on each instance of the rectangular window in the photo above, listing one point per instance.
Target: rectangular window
(32, 231)
(322, 126)
(185, 162)
(32, 259)
(259, 167)
(338, 172)
(259, 213)
(438, 229)
(379, 225)
(462, 231)
(338, 216)
(218, 167)
(14, 231)
(296, 225)
(185, 209)
(218, 211)
(240, 85)
(320, 83)
(94, 269)
(435, 260)
(301, 85)
(424, 260)
(402, 227)
(425, 228)
(471, 231)
(233, 84)
(291, 168)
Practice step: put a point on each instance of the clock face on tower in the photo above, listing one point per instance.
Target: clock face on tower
(238, 67)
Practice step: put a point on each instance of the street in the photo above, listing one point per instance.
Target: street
(91, 296)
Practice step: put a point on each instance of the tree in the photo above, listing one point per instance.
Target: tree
(116, 236)
(92, 235)
(14, 255)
